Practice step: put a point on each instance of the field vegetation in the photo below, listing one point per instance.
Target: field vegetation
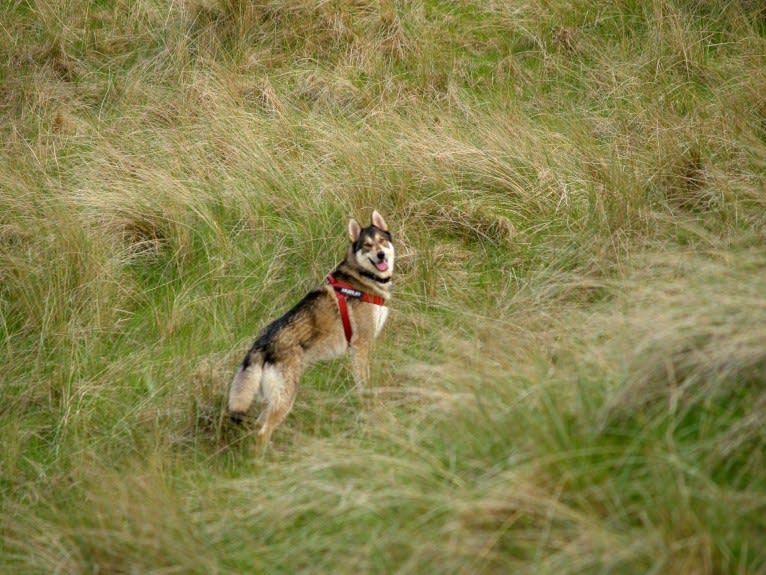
(573, 376)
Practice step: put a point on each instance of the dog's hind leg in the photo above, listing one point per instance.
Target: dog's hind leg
(280, 388)
(245, 386)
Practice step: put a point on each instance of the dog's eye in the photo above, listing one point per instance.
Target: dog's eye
(367, 245)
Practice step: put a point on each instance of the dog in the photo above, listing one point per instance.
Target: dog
(346, 312)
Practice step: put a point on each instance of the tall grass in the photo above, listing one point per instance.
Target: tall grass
(571, 380)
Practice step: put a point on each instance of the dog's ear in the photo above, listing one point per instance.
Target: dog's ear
(378, 221)
(354, 230)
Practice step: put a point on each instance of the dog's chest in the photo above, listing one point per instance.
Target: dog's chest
(379, 316)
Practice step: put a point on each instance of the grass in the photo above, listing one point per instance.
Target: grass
(571, 380)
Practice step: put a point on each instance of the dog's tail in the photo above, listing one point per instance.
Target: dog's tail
(246, 384)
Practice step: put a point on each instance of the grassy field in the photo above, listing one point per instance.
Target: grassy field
(573, 376)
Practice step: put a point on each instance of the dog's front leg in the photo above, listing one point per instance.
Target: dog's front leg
(360, 365)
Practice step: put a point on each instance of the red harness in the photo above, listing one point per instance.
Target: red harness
(341, 291)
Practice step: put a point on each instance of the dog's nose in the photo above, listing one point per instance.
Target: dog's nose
(381, 255)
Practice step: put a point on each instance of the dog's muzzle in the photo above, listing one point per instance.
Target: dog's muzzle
(381, 265)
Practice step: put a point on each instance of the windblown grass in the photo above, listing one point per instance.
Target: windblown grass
(571, 380)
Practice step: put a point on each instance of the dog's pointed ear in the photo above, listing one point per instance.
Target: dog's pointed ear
(378, 221)
(354, 230)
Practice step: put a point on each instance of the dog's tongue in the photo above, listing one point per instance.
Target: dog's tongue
(382, 266)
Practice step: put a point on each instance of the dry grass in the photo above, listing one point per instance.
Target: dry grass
(571, 378)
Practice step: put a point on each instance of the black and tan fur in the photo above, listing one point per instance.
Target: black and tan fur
(313, 330)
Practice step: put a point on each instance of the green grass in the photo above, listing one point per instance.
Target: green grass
(571, 379)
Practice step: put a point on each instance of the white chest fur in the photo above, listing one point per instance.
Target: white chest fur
(380, 314)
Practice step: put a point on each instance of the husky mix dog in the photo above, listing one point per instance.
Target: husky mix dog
(347, 312)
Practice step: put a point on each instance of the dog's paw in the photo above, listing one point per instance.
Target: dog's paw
(237, 417)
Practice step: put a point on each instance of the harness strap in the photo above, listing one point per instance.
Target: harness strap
(342, 290)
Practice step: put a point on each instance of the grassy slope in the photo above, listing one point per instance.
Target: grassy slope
(572, 377)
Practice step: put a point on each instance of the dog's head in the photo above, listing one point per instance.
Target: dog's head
(372, 248)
